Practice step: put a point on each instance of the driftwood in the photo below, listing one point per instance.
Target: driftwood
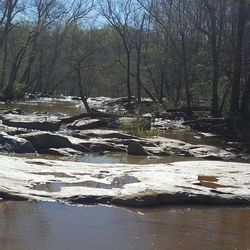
(93, 114)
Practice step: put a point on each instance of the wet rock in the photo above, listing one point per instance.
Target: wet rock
(87, 124)
(106, 147)
(42, 140)
(102, 133)
(44, 123)
(90, 199)
(193, 182)
(81, 148)
(15, 144)
(210, 153)
(95, 145)
(180, 148)
(135, 148)
(112, 141)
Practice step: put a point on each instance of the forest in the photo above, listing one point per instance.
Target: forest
(192, 53)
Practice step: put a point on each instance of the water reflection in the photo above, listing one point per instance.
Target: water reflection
(67, 106)
(130, 159)
(30, 225)
(195, 138)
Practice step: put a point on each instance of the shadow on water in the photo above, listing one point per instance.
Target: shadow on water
(31, 225)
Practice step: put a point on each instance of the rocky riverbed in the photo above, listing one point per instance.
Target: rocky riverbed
(212, 172)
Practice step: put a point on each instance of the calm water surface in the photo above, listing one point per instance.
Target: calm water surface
(31, 225)
(50, 105)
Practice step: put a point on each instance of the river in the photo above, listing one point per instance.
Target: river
(56, 226)
(40, 225)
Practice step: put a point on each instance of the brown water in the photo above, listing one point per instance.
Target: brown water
(50, 105)
(35, 226)
(195, 138)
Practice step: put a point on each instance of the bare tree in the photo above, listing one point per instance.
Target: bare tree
(120, 15)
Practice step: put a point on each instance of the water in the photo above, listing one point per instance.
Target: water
(40, 225)
(132, 159)
(50, 105)
(35, 226)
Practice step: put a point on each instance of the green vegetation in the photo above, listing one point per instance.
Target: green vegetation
(135, 128)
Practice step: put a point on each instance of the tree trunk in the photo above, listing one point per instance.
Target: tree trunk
(138, 74)
(162, 86)
(83, 98)
(185, 68)
(215, 57)
(4, 65)
(246, 100)
(129, 78)
(237, 71)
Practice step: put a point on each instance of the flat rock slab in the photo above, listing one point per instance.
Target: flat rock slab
(38, 122)
(202, 182)
(176, 147)
(87, 124)
(105, 134)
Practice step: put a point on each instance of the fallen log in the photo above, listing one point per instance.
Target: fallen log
(93, 115)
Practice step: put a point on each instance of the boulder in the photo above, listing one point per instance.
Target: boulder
(135, 148)
(42, 122)
(42, 140)
(15, 144)
(87, 124)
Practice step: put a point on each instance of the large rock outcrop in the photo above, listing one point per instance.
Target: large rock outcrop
(37, 122)
(201, 182)
(42, 140)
